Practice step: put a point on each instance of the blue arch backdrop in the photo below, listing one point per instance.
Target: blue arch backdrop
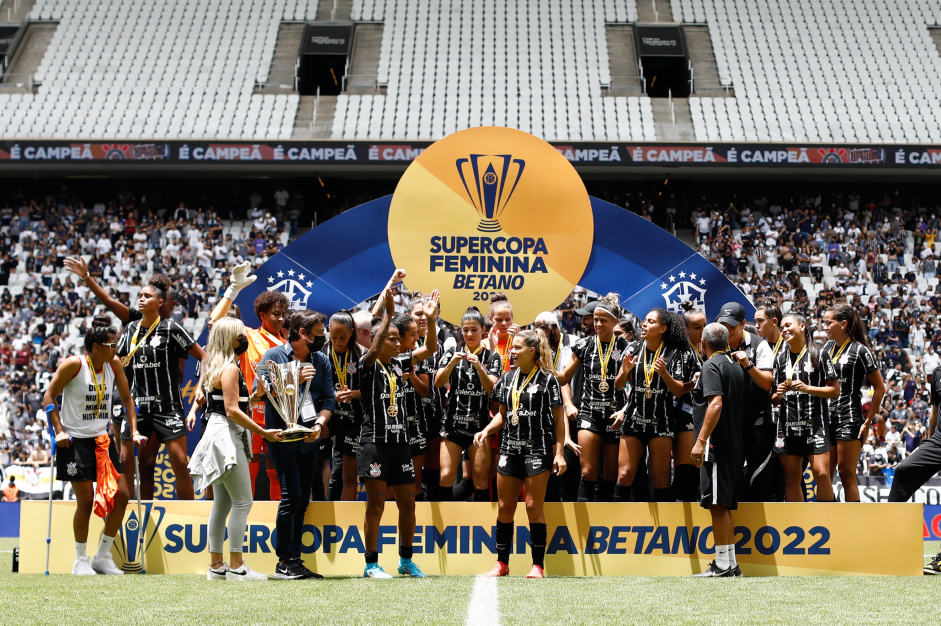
(347, 260)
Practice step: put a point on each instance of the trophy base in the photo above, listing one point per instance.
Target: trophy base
(295, 433)
(488, 226)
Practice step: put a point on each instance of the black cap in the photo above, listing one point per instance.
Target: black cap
(732, 313)
(588, 309)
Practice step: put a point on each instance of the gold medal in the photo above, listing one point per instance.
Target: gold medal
(516, 392)
(393, 410)
(603, 358)
(126, 360)
(649, 393)
(603, 386)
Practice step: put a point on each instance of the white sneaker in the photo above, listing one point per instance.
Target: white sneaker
(244, 573)
(217, 574)
(105, 565)
(82, 567)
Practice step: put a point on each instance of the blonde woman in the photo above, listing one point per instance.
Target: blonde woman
(533, 420)
(222, 456)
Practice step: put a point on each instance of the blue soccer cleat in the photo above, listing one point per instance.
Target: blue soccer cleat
(408, 568)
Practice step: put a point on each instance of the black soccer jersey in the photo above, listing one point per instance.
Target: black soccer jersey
(594, 403)
(654, 414)
(534, 430)
(466, 396)
(215, 401)
(347, 416)
(431, 406)
(154, 372)
(380, 424)
(853, 366)
(801, 414)
(721, 377)
(683, 407)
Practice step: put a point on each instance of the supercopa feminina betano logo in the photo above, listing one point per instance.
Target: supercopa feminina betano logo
(492, 209)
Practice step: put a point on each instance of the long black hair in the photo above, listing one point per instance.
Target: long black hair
(675, 334)
(473, 314)
(812, 350)
(345, 318)
(102, 328)
(855, 327)
(402, 321)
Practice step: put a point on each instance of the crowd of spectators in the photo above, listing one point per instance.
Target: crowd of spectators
(806, 253)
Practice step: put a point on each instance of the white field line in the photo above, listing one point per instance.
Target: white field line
(484, 606)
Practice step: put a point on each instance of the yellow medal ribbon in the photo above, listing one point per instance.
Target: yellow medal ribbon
(698, 353)
(777, 346)
(649, 371)
(99, 391)
(475, 352)
(603, 358)
(341, 371)
(836, 357)
(126, 360)
(790, 370)
(393, 410)
(516, 392)
(557, 358)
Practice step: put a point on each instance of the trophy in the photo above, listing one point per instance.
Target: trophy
(490, 180)
(285, 394)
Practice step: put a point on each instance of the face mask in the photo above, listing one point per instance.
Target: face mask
(241, 345)
(317, 343)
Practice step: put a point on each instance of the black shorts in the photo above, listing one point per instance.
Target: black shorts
(646, 437)
(417, 435)
(389, 462)
(599, 426)
(461, 430)
(166, 426)
(683, 419)
(720, 484)
(645, 431)
(794, 445)
(77, 462)
(847, 431)
(524, 466)
(345, 433)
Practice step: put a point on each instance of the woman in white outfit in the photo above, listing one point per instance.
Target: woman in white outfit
(222, 456)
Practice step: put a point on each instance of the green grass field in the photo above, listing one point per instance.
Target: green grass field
(60, 599)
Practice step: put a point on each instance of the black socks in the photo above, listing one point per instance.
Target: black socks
(586, 491)
(537, 537)
(504, 541)
(481, 495)
(622, 493)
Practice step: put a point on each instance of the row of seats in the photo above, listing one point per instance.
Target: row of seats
(157, 70)
(820, 71)
(540, 67)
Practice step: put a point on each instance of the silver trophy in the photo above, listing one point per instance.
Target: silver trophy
(285, 394)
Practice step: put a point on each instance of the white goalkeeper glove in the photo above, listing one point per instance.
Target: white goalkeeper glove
(239, 280)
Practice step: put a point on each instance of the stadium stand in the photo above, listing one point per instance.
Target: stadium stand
(803, 74)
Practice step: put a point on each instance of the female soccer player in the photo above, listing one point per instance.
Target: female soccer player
(804, 378)
(685, 473)
(221, 458)
(385, 456)
(87, 453)
(471, 374)
(601, 355)
(415, 387)
(656, 368)
(530, 400)
(151, 349)
(502, 328)
(344, 354)
(430, 406)
(849, 350)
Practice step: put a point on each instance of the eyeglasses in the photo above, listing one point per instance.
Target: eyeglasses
(112, 345)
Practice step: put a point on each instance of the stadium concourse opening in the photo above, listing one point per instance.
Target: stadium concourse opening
(663, 58)
(322, 63)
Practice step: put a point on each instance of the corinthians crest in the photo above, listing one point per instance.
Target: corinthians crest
(683, 287)
(489, 180)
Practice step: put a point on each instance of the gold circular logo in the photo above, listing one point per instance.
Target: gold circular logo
(489, 210)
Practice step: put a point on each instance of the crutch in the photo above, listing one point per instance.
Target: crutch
(52, 482)
(140, 519)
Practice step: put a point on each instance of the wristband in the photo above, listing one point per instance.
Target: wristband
(231, 293)
(49, 408)
(702, 440)
(749, 367)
